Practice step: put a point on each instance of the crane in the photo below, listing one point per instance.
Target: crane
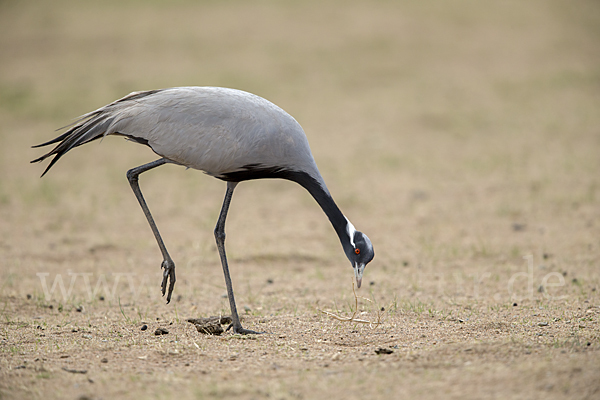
(229, 134)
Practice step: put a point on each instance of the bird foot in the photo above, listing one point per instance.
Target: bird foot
(168, 275)
(241, 331)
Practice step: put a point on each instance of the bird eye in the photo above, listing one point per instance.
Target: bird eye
(357, 251)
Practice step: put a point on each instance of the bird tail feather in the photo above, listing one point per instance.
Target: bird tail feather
(81, 133)
(91, 126)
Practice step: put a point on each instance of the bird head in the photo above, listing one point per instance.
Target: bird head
(360, 253)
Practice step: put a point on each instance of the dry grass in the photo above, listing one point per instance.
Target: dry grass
(462, 137)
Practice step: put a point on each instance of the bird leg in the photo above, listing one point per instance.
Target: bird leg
(168, 265)
(220, 238)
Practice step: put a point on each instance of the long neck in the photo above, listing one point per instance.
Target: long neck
(320, 193)
(315, 186)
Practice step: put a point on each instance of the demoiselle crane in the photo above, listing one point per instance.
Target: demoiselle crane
(229, 134)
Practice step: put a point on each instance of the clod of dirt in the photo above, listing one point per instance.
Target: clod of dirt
(144, 327)
(161, 331)
(383, 350)
(222, 320)
(210, 325)
(210, 329)
(75, 371)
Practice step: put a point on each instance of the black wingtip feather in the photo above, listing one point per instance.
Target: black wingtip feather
(55, 140)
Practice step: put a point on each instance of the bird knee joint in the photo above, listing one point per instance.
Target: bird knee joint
(219, 234)
(132, 177)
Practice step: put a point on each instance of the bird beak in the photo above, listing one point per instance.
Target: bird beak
(358, 273)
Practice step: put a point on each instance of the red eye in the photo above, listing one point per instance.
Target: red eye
(357, 251)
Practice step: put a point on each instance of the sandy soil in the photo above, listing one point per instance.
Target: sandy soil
(462, 137)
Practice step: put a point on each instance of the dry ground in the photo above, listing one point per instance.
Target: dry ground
(463, 137)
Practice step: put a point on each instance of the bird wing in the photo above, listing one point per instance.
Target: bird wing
(215, 130)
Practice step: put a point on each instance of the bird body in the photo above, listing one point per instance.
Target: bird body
(229, 134)
(215, 130)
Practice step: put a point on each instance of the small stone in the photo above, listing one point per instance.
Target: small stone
(101, 298)
(543, 324)
(335, 357)
(79, 308)
(372, 283)
(28, 296)
(515, 304)
(541, 289)
(383, 350)
(104, 360)
(144, 327)
(161, 331)
(518, 227)
(270, 281)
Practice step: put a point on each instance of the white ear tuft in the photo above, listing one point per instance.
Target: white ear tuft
(351, 231)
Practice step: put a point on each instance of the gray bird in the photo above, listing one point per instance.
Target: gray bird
(229, 134)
